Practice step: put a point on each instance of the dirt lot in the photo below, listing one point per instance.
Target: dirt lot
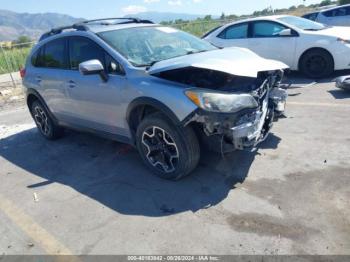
(87, 195)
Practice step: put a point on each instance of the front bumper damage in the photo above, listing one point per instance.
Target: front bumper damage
(250, 133)
(243, 130)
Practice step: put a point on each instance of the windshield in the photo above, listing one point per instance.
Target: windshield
(302, 23)
(144, 46)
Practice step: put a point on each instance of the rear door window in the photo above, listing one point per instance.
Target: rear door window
(54, 55)
(51, 55)
(239, 31)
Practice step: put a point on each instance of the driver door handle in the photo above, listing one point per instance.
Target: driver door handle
(71, 84)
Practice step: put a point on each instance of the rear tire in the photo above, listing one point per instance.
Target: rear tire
(170, 151)
(45, 123)
(317, 63)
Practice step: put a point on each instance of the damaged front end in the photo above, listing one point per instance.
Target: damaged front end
(237, 94)
(255, 104)
(248, 126)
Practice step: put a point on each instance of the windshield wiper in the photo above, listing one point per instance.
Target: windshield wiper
(148, 65)
(195, 52)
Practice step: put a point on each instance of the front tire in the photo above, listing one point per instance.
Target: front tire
(44, 122)
(317, 63)
(171, 152)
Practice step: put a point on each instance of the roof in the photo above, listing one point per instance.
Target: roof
(100, 25)
(322, 9)
(334, 7)
(271, 17)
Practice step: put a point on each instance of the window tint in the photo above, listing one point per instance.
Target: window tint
(267, 29)
(54, 55)
(328, 13)
(38, 59)
(112, 66)
(235, 32)
(34, 58)
(312, 16)
(82, 49)
(342, 11)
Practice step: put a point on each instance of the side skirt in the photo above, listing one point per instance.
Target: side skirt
(107, 135)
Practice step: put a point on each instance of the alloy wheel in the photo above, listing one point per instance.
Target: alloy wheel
(42, 120)
(160, 148)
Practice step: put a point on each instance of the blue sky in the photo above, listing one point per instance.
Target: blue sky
(112, 8)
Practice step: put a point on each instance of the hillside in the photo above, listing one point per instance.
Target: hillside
(158, 17)
(13, 25)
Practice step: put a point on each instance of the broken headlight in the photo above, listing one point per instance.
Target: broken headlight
(221, 102)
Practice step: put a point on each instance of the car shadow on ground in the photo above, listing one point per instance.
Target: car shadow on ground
(340, 94)
(113, 174)
(293, 79)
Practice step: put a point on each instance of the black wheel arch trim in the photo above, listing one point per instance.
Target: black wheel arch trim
(33, 92)
(148, 101)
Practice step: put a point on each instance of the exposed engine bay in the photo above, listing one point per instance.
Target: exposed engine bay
(240, 130)
(210, 79)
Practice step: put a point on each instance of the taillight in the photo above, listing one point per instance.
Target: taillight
(22, 72)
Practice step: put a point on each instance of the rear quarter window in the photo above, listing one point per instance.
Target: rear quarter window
(51, 55)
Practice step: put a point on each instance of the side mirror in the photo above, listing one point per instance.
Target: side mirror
(286, 32)
(93, 67)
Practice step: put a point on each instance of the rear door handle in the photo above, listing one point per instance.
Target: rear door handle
(38, 79)
(71, 84)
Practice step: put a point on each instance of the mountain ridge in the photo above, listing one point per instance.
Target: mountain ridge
(158, 17)
(14, 25)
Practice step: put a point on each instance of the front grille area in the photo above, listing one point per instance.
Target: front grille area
(260, 93)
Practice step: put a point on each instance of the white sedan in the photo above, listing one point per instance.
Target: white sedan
(312, 48)
(338, 16)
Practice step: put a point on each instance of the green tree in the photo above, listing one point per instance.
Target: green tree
(23, 41)
(222, 17)
(344, 2)
(325, 2)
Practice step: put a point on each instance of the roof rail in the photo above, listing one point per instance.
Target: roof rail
(58, 30)
(128, 20)
(83, 26)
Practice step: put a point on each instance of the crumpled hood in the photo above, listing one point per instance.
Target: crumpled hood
(335, 31)
(235, 61)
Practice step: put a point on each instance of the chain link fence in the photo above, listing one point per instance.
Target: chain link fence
(12, 59)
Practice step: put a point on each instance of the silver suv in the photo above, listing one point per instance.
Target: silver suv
(166, 92)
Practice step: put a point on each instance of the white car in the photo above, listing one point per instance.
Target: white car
(337, 16)
(304, 45)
